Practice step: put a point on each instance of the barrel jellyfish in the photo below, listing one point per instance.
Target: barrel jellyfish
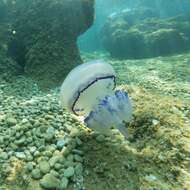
(89, 91)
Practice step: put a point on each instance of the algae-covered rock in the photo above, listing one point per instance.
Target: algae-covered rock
(43, 36)
(129, 44)
(141, 36)
(64, 183)
(69, 172)
(165, 41)
(50, 182)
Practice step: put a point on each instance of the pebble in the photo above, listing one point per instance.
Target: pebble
(78, 158)
(100, 138)
(34, 185)
(1, 139)
(79, 169)
(78, 141)
(29, 166)
(3, 156)
(69, 163)
(11, 121)
(49, 137)
(69, 172)
(44, 167)
(150, 177)
(60, 144)
(57, 166)
(53, 160)
(65, 151)
(49, 181)
(79, 152)
(32, 149)
(155, 122)
(20, 141)
(54, 173)
(74, 132)
(36, 174)
(20, 155)
(64, 183)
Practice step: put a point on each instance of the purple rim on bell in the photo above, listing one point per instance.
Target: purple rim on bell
(90, 84)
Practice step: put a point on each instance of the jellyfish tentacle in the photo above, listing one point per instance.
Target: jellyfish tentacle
(112, 110)
(123, 130)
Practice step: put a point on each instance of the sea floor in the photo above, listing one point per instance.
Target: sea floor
(44, 147)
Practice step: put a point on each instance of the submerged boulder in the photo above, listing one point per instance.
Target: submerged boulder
(165, 41)
(145, 35)
(45, 37)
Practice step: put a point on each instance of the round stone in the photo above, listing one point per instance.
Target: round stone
(3, 156)
(57, 166)
(60, 144)
(100, 138)
(29, 166)
(49, 181)
(44, 167)
(54, 160)
(54, 173)
(11, 121)
(79, 169)
(78, 158)
(36, 174)
(64, 183)
(20, 155)
(69, 172)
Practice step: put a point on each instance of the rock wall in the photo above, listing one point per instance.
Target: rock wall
(44, 34)
(140, 33)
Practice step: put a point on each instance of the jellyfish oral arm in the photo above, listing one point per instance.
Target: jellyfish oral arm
(123, 130)
(112, 110)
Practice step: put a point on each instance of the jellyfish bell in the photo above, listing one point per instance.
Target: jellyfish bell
(88, 91)
(85, 85)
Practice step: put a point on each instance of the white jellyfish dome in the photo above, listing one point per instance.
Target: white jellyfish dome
(88, 91)
(85, 85)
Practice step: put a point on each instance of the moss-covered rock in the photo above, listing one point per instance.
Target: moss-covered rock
(145, 36)
(165, 41)
(45, 35)
(131, 49)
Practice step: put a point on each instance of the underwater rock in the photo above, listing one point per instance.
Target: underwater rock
(3, 156)
(44, 41)
(165, 41)
(69, 172)
(44, 167)
(64, 183)
(100, 138)
(50, 182)
(141, 34)
(36, 174)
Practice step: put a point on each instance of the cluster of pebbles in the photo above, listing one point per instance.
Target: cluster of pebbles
(34, 130)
